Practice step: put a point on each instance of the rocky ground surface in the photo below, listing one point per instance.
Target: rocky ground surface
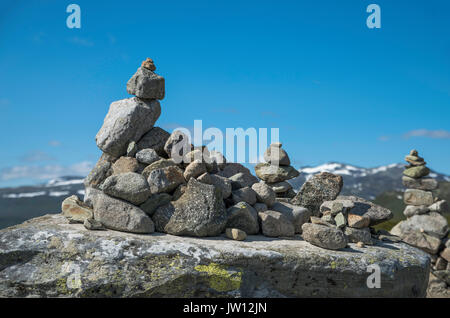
(50, 257)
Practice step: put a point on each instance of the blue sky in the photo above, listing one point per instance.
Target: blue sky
(337, 90)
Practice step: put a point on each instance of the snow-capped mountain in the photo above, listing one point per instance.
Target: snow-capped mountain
(364, 182)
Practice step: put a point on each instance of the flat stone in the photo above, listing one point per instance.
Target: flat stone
(298, 215)
(194, 169)
(280, 187)
(377, 214)
(324, 236)
(416, 172)
(346, 204)
(205, 178)
(242, 180)
(318, 189)
(441, 207)
(320, 221)
(128, 186)
(264, 193)
(411, 210)
(271, 173)
(147, 156)
(418, 197)
(75, 209)
(132, 149)
(101, 171)
(357, 221)
(258, 267)
(93, 225)
(160, 164)
(232, 168)
(358, 235)
(235, 234)
(155, 201)
(120, 215)
(427, 184)
(244, 217)
(432, 224)
(127, 120)
(276, 224)
(146, 84)
(155, 139)
(200, 211)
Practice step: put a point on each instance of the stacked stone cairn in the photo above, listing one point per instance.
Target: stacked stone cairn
(149, 180)
(425, 227)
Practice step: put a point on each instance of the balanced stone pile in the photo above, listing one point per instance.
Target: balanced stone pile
(425, 227)
(149, 180)
(277, 170)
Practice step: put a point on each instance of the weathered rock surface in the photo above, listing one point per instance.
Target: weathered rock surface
(324, 236)
(441, 206)
(101, 171)
(221, 183)
(321, 187)
(276, 224)
(276, 156)
(264, 193)
(75, 209)
(119, 215)
(298, 215)
(242, 180)
(155, 201)
(432, 224)
(411, 210)
(244, 195)
(358, 235)
(128, 186)
(272, 173)
(377, 214)
(421, 184)
(416, 171)
(200, 211)
(235, 234)
(244, 217)
(147, 156)
(155, 139)
(165, 179)
(177, 146)
(146, 84)
(417, 197)
(127, 120)
(47, 257)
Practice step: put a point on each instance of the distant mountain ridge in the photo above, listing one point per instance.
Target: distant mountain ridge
(22, 203)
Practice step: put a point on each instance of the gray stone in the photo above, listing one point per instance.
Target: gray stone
(165, 179)
(120, 215)
(358, 235)
(160, 164)
(242, 180)
(127, 120)
(276, 156)
(276, 224)
(128, 186)
(200, 211)
(125, 164)
(427, 184)
(235, 234)
(194, 169)
(377, 214)
(177, 146)
(146, 84)
(280, 187)
(221, 183)
(425, 242)
(132, 149)
(155, 139)
(258, 267)
(155, 201)
(271, 173)
(320, 221)
(321, 187)
(245, 194)
(260, 207)
(357, 221)
(433, 224)
(441, 207)
(205, 178)
(411, 210)
(264, 193)
(232, 168)
(445, 254)
(181, 189)
(147, 156)
(416, 171)
(418, 197)
(101, 171)
(218, 158)
(340, 220)
(443, 275)
(74, 209)
(324, 236)
(93, 225)
(298, 215)
(441, 263)
(346, 204)
(244, 217)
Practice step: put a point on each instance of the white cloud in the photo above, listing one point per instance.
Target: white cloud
(435, 134)
(45, 172)
(36, 156)
(81, 41)
(54, 143)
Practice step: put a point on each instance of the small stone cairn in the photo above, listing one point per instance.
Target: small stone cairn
(425, 227)
(149, 180)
